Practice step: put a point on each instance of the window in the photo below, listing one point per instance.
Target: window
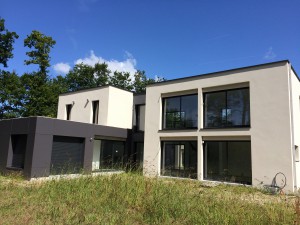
(68, 111)
(228, 161)
(108, 155)
(229, 108)
(95, 106)
(18, 142)
(140, 117)
(139, 154)
(180, 112)
(179, 159)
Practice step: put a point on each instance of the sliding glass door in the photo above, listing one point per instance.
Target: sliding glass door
(179, 159)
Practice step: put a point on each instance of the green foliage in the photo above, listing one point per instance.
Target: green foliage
(7, 39)
(133, 199)
(141, 81)
(42, 45)
(121, 80)
(81, 77)
(11, 95)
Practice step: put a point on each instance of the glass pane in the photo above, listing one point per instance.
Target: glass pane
(215, 109)
(189, 106)
(111, 154)
(239, 105)
(172, 115)
(179, 159)
(239, 162)
(228, 161)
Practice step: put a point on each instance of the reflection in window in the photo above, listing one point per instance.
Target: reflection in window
(230, 108)
(108, 155)
(179, 159)
(180, 112)
(228, 161)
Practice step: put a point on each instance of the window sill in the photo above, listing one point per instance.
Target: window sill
(181, 130)
(226, 128)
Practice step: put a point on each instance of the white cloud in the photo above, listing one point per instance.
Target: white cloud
(128, 65)
(270, 54)
(63, 68)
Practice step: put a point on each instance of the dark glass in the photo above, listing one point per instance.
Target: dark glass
(95, 112)
(68, 109)
(111, 155)
(228, 161)
(180, 112)
(229, 108)
(179, 159)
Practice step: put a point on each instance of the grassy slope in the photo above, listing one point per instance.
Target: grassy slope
(133, 199)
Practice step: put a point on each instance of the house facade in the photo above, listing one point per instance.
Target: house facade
(235, 126)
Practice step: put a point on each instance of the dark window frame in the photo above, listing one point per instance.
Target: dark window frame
(226, 104)
(226, 141)
(163, 112)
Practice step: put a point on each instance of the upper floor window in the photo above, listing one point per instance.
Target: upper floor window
(180, 112)
(140, 117)
(228, 108)
(68, 111)
(95, 106)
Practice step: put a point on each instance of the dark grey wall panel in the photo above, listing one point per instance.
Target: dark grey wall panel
(4, 147)
(41, 156)
(139, 99)
(5, 126)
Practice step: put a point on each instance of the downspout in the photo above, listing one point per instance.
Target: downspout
(292, 125)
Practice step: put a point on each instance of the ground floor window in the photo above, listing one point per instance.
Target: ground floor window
(139, 154)
(179, 159)
(228, 161)
(108, 155)
(18, 143)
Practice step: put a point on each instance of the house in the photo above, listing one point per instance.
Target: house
(236, 126)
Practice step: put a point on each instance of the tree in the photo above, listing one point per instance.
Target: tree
(41, 55)
(39, 95)
(121, 80)
(7, 39)
(11, 95)
(81, 77)
(141, 81)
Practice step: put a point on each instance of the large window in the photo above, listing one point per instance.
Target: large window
(179, 159)
(108, 155)
(229, 108)
(228, 161)
(180, 112)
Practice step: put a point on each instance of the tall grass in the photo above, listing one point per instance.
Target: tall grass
(130, 198)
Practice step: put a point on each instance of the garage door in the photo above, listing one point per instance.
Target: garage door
(67, 155)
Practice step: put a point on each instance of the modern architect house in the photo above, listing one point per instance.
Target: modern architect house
(236, 126)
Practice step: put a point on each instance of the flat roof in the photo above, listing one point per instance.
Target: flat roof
(94, 88)
(220, 73)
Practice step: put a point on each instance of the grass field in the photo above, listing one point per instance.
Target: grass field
(133, 199)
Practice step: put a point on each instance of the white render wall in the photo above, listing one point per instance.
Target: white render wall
(115, 106)
(270, 129)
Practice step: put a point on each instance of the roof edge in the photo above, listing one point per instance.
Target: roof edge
(93, 88)
(218, 72)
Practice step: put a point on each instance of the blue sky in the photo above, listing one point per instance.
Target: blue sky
(169, 38)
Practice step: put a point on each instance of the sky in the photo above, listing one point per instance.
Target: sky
(165, 38)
